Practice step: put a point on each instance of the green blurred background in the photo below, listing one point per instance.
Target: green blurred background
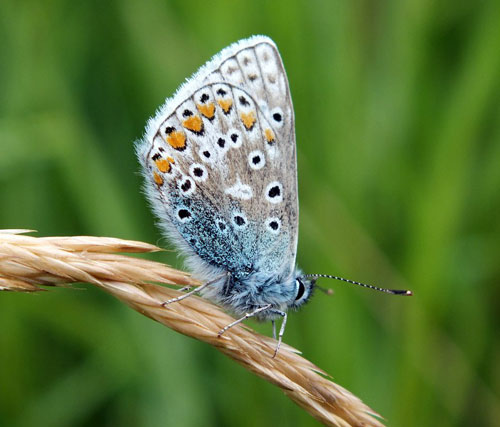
(397, 114)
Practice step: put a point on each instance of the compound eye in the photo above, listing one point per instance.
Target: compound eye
(300, 289)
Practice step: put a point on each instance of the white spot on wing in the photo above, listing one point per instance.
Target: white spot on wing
(274, 192)
(186, 186)
(273, 225)
(184, 215)
(198, 172)
(276, 117)
(256, 159)
(222, 143)
(240, 220)
(235, 138)
(240, 191)
(207, 154)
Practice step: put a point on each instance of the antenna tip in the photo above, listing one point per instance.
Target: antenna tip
(409, 293)
(329, 291)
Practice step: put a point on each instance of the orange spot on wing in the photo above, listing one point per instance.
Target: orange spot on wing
(207, 110)
(164, 165)
(248, 119)
(177, 139)
(193, 123)
(158, 179)
(225, 104)
(269, 136)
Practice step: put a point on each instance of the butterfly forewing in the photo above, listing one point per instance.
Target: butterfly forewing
(220, 159)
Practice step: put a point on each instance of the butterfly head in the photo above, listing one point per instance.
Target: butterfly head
(304, 288)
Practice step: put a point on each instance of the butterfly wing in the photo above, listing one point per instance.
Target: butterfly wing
(220, 166)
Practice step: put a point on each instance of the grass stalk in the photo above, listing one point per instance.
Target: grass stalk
(31, 264)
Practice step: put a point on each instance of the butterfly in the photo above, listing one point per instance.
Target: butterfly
(220, 169)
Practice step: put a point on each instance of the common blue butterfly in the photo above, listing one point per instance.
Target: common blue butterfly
(220, 172)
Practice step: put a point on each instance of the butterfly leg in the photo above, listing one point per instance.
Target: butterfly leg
(282, 330)
(246, 316)
(196, 289)
(274, 328)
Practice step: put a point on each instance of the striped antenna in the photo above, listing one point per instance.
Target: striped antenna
(376, 288)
